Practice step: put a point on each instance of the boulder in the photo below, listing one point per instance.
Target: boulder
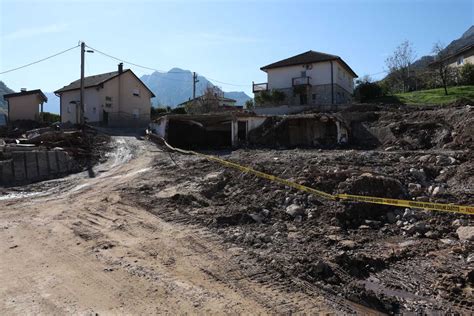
(294, 210)
(459, 222)
(466, 233)
(415, 188)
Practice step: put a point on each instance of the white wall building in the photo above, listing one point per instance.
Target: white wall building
(311, 78)
(116, 98)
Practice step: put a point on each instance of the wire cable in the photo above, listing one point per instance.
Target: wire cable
(161, 71)
(38, 61)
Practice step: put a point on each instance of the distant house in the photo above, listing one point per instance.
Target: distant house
(458, 58)
(310, 78)
(25, 105)
(210, 103)
(117, 99)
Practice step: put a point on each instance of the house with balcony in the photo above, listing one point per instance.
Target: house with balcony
(308, 79)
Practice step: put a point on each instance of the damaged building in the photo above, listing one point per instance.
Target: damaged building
(222, 130)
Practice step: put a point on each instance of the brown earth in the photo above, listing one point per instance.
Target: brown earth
(161, 232)
(82, 246)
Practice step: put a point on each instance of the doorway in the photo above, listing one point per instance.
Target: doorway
(242, 131)
(105, 118)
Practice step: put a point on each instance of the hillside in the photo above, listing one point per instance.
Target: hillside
(466, 39)
(175, 86)
(436, 96)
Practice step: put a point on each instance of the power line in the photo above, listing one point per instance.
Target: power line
(229, 84)
(38, 61)
(162, 71)
(128, 62)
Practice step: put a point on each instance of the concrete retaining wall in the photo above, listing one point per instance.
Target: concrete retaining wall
(27, 166)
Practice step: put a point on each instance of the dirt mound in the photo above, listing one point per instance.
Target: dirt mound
(412, 129)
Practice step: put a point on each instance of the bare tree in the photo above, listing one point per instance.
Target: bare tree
(442, 65)
(207, 102)
(210, 98)
(399, 63)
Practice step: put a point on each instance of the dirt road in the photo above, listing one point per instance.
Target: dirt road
(78, 246)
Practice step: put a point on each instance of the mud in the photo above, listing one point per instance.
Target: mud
(390, 259)
(277, 248)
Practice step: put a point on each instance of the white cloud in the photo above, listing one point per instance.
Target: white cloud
(34, 31)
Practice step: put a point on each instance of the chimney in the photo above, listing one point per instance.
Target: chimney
(23, 89)
(120, 68)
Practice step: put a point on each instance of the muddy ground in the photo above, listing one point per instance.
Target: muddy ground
(152, 231)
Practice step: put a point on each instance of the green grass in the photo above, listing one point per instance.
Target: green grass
(436, 96)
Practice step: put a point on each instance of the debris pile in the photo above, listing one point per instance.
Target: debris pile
(391, 259)
(49, 152)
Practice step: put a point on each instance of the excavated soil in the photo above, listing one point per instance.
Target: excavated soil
(389, 259)
(153, 231)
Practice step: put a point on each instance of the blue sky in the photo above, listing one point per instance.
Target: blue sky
(225, 40)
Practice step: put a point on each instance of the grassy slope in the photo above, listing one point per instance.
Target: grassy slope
(436, 96)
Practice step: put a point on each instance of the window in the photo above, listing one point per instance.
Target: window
(108, 105)
(136, 92)
(303, 74)
(69, 109)
(313, 96)
(94, 110)
(461, 60)
(108, 98)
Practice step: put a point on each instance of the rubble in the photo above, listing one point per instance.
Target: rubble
(465, 233)
(49, 152)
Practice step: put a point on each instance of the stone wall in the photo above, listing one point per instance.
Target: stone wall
(26, 165)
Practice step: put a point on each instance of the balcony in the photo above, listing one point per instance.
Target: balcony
(258, 87)
(301, 81)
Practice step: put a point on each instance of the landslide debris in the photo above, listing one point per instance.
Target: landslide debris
(391, 259)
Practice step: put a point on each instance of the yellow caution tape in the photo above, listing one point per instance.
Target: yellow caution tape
(355, 198)
(407, 203)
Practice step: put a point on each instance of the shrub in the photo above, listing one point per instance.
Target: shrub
(51, 117)
(278, 96)
(467, 74)
(249, 104)
(367, 90)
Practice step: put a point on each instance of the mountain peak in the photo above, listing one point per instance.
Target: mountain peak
(175, 86)
(176, 69)
(469, 32)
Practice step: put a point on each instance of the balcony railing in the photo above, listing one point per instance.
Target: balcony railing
(257, 87)
(301, 81)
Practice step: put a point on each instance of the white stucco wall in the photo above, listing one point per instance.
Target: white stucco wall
(68, 110)
(320, 73)
(159, 128)
(281, 78)
(343, 77)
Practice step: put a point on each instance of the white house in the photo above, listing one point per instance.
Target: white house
(310, 78)
(116, 98)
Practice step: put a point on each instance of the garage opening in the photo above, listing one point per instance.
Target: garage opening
(191, 134)
(311, 131)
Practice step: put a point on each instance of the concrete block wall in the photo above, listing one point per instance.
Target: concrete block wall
(26, 166)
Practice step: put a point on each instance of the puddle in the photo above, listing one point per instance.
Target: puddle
(20, 195)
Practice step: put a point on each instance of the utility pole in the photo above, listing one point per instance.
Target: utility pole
(83, 48)
(195, 80)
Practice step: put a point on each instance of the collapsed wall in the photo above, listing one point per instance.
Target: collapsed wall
(301, 130)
